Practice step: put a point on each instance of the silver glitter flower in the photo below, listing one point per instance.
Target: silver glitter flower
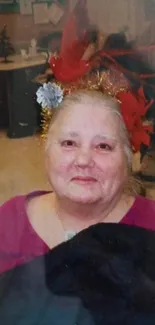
(49, 95)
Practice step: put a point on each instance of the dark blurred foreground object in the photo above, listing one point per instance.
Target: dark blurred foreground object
(6, 47)
(103, 276)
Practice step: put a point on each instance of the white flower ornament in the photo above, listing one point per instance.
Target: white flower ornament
(49, 95)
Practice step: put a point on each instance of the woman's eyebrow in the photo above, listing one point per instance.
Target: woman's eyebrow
(97, 136)
(105, 137)
(71, 134)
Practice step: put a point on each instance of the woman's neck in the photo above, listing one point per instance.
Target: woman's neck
(77, 216)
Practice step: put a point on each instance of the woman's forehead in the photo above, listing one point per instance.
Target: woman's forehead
(87, 111)
(85, 119)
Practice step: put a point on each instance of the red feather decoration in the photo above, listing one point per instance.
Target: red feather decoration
(133, 109)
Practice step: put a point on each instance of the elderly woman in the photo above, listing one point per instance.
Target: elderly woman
(88, 163)
(83, 253)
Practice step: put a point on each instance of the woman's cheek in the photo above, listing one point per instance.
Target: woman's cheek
(61, 161)
(111, 163)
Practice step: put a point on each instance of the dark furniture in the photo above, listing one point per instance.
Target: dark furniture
(19, 112)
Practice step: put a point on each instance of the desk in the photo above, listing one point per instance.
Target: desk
(19, 63)
(16, 77)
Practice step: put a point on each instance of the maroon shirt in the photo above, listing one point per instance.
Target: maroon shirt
(20, 243)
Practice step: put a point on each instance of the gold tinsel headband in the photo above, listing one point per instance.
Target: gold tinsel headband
(51, 94)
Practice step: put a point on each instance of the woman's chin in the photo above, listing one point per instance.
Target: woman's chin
(83, 197)
(79, 193)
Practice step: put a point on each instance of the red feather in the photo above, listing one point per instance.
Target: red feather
(69, 66)
(133, 108)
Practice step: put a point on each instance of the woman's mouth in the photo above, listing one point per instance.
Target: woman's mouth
(84, 180)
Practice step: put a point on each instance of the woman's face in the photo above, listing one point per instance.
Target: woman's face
(86, 161)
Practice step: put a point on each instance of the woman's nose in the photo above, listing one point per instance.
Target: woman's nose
(84, 158)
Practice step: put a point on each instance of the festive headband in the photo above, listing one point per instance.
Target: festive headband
(72, 73)
(133, 107)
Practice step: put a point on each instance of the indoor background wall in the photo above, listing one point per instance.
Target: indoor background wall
(110, 16)
(113, 15)
(22, 28)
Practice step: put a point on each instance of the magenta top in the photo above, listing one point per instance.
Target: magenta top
(20, 243)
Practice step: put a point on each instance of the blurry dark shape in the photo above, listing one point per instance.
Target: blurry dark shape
(130, 62)
(92, 35)
(6, 47)
(24, 113)
(103, 276)
(135, 66)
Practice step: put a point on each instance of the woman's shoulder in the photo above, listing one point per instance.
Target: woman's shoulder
(12, 207)
(142, 213)
(12, 219)
(19, 201)
(145, 202)
(17, 240)
(13, 211)
(15, 205)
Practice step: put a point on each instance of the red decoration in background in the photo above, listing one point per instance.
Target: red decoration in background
(75, 28)
(133, 109)
(68, 67)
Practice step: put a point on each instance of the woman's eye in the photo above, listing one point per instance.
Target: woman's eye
(104, 146)
(68, 143)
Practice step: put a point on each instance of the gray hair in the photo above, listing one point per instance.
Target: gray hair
(93, 98)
